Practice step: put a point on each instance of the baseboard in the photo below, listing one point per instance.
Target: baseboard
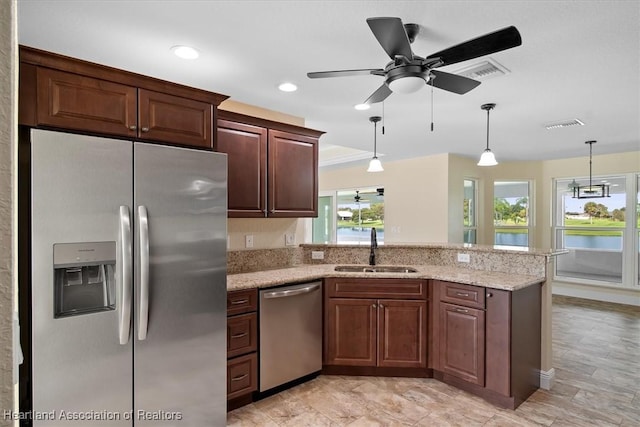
(612, 294)
(547, 378)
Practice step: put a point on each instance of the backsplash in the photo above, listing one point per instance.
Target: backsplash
(247, 261)
(481, 258)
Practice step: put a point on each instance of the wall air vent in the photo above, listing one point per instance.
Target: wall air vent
(564, 124)
(483, 70)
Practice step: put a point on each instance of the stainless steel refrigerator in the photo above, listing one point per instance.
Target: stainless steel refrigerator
(128, 283)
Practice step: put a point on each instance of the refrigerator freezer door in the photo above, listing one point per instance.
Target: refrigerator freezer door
(180, 363)
(79, 367)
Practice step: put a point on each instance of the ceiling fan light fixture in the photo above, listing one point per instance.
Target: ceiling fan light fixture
(362, 107)
(408, 84)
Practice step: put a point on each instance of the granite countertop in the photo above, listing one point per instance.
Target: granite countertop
(307, 272)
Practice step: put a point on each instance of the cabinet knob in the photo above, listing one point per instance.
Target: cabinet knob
(489, 294)
(380, 305)
(145, 129)
(133, 127)
(373, 305)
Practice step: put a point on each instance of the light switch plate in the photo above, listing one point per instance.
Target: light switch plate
(248, 241)
(317, 254)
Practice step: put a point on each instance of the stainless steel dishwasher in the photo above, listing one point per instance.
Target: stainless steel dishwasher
(290, 333)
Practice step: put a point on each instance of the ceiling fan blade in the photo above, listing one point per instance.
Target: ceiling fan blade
(453, 82)
(497, 41)
(344, 73)
(379, 95)
(392, 36)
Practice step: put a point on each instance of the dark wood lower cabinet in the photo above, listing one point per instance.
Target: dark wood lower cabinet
(482, 340)
(242, 347)
(375, 332)
(462, 342)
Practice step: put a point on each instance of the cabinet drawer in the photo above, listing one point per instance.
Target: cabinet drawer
(242, 375)
(239, 302)
(467, 295)
(376, 288)
(242, 334)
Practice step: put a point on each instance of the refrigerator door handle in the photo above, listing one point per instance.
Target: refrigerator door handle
(124, 251)
(143, 312)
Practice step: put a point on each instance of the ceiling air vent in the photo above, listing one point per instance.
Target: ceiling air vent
(486, 69)
(564, 124)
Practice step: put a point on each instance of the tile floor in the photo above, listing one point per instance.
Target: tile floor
(596, 350)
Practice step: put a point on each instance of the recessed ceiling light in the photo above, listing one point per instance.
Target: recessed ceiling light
(361, 107)
(564, 124)
(185, 52)
(288, 87)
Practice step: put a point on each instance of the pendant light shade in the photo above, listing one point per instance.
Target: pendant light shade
(591, 191)
(375, 165)
(487, 158)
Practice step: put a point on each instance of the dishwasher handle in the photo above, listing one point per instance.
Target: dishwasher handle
(291, 292)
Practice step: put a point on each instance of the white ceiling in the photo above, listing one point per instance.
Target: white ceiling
(578, 59)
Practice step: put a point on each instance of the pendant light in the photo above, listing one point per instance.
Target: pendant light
(487, 158)
(591, 191)
(375, 165)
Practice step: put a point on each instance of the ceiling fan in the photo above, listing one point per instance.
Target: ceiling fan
(407, 72)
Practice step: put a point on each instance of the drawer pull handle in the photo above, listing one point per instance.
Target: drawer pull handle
(461, 310)
(240, 378)
(462, 294)
(244, 334)
(240, 301)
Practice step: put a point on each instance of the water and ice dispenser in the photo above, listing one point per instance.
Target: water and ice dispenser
(84, 278)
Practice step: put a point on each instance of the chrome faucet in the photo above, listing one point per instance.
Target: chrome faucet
(374, 246)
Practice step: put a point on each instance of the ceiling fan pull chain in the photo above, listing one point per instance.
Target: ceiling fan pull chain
(431, 83)
(383, 117)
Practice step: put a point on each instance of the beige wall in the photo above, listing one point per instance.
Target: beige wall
(7, 201)
(416, 201)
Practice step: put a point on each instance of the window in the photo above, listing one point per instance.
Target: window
(470, 216)
(601, 234)
(511, 213)
(347, 216)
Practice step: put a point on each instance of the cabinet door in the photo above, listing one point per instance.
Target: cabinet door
(246, 148)
(70, 101)
(402, 333)
(350, 331)
(293, 175)
(176, 120)
(462, 342)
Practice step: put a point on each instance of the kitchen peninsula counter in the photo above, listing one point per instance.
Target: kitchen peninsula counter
(308, 272)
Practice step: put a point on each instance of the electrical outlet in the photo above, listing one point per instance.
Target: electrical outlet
(317, 254)
(248, 241)
(464, 258)
(290, 239)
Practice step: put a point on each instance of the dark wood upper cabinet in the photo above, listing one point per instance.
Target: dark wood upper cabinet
(77, 102)
(70, 94)
(168, 118)
(246, 148)
(293, 175)
(273, 167)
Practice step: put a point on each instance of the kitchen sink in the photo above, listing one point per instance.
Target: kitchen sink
(375, 269)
